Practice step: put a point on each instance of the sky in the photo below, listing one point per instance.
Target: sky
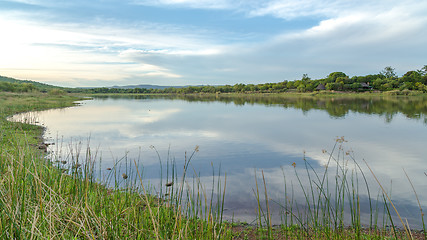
(94, 43)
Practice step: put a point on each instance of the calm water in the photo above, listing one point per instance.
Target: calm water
(241, 136)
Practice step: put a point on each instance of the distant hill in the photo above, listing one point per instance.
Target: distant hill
(37, 85)
(46, 87)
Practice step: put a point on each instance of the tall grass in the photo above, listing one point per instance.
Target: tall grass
(330, 207)
(63, 199)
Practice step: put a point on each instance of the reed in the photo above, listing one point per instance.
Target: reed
(62, 197)
(331, 203)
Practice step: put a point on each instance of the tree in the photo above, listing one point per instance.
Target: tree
(389, 72)
(423, 71)
(225, 89)
(238, 87)
(378, 83)
(407, 85)
(411, 76)
(301, 88)
(421, 87)
(331, 86)
(356, 86)
(305, 78)
(335, 75)
(290, 85)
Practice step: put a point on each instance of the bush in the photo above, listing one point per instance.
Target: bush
(57, 92)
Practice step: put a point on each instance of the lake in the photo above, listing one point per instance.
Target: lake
(248, 136)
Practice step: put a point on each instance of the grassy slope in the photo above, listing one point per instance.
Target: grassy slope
(40, 86)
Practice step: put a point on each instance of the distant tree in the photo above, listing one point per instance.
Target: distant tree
(290, 85)
(344, 80)
(264, 87)
(388, 72)
(208, 89)
(139, 90)
(279, 87)
(238, 87)
(301, 88)
(56, 91)
(225, 89)
(356, 86)
(26, 87)
(305, 78)
(411, 76)
(330, 86)
(421, 87)
(423, 70)
(311, 86)
(378, 83)
(335, 75)
(248, 88)
(408, 86)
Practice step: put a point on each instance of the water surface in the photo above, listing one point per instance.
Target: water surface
(244, 136)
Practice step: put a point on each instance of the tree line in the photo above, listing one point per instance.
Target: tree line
(13, 85)
(385, 80)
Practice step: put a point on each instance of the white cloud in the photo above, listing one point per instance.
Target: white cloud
(356, 39)
(204, 4)
(169, 52)
(69, 52)
(292, 9)
(32, 2)
(358, 36)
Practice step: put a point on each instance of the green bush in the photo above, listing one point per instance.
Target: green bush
(57, 92)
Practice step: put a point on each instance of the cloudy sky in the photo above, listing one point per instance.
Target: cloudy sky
(187, 42)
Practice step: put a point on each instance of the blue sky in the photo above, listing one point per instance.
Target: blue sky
(192, 42)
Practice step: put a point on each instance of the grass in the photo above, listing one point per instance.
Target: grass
(41, 199)
(62, 198)
(331, 204)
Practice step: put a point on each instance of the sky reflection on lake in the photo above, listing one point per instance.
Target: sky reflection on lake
(240, 139)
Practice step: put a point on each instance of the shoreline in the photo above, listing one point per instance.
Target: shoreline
(250, 231)
(393, 93)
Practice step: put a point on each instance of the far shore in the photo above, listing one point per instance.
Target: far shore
(324, 93)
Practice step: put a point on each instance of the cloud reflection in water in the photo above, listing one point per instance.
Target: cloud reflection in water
(244, 137)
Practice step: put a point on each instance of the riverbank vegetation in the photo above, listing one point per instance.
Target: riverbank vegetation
(20, 86)
(411, 83)
(60, 198)
(386, 80)
(46, 199)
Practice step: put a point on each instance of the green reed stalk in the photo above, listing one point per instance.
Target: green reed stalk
(419, 205)
(385, 193)
(63, 200)
(267, 207)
